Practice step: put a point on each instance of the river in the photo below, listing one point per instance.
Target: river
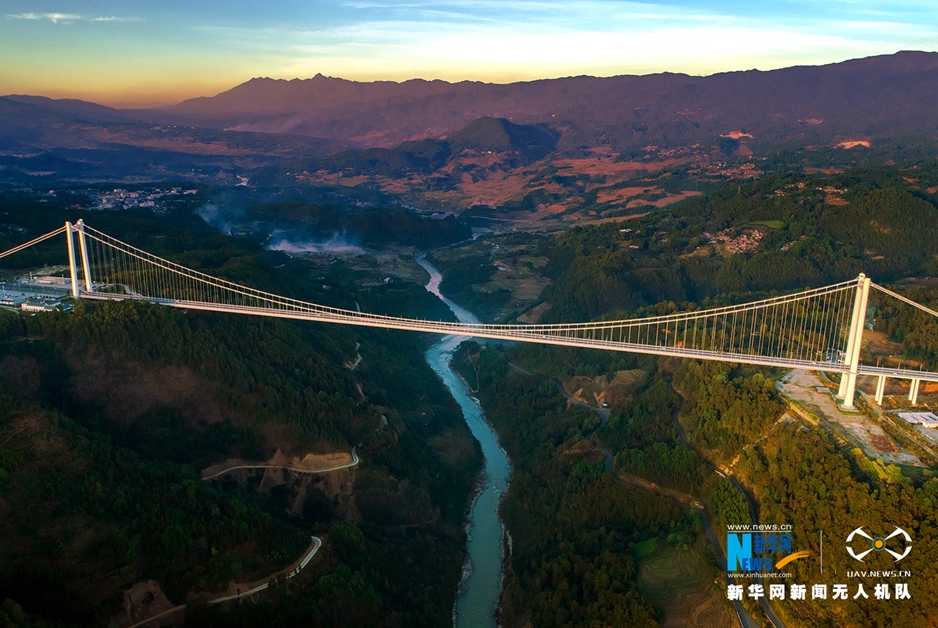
(482, 577)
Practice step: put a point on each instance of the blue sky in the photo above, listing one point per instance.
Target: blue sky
(146, 52)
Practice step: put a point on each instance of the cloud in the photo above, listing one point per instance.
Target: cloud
(506, 40)
(112, 18)
(67, 18)
(52, 17)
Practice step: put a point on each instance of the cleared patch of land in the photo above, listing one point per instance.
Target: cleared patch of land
(549, 194)
(816, 397)
(515, 268)
(854, 143)
(885, 351)
(598, 390)
(679, 582)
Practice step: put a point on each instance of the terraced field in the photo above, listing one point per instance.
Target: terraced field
(681, 583)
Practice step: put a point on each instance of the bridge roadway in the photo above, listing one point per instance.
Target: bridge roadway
(544, 334)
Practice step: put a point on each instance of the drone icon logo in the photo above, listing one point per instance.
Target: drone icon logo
(878, 544)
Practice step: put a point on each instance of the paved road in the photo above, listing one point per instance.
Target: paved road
(317, 543)
(275, 466)
(358, 357)
(763, 601)
(745, 620)
(313, 548)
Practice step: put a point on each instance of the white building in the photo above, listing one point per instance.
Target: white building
(925, 419)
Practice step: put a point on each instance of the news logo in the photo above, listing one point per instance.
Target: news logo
(878, 544)
(761, 549)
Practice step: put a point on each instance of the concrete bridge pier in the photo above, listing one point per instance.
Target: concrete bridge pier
(880, 389)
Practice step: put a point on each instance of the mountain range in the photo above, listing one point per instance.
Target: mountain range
(848, 104)
(863, 97)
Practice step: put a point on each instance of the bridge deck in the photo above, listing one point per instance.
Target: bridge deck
(519, 333)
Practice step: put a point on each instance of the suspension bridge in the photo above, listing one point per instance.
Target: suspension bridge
(819, 329)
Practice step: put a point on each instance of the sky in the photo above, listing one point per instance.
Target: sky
(136, 52)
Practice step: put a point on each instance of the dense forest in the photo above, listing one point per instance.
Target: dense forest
(813, 230)
(86, 518)
(111, 411)
(683, 423)
(800, 476)
(312, 220)
(793, 472)
(575, 532)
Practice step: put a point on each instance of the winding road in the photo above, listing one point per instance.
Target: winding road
(744, 619)
(265, 583)
(750, 506)
(278, 466)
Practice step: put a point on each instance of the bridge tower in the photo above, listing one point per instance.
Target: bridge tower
(79, 228)
(848, 381)
(72, 266)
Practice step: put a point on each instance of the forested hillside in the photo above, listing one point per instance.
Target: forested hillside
(720, 439)
(795, 473)
(573, 529)
(781, 233)
(111, 411)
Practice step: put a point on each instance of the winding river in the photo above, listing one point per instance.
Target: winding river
(482, 576)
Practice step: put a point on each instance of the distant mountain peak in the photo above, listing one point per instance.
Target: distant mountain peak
(870, 97)
(498, 135)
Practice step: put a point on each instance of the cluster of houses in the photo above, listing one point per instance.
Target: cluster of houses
(746, 241)
(119, 198)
